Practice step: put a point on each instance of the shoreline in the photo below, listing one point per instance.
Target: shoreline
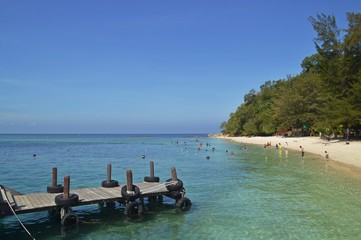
(338, 150)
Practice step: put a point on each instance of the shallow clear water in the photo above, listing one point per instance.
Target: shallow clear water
(254, 194)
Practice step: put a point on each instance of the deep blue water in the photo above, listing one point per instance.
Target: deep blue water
(254, 194)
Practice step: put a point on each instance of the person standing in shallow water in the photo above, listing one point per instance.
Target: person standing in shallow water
(302, 151)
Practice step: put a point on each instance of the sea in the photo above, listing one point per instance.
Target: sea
(237, 191)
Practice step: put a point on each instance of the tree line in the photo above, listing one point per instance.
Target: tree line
(325, 97)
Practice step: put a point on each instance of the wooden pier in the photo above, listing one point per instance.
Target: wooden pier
(60, 197)
(34, 202)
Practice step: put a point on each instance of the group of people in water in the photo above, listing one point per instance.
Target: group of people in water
(278, 147)
(245, 147)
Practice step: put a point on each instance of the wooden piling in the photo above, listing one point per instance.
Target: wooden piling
(129, 180)
(174, 174)
(151, 169)
(66, 192)
(109, 173)
(54, 177)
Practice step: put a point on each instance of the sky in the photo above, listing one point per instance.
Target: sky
(145, 66)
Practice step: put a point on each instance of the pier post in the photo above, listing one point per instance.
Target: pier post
(109, 183)
(151, 169)
(109, 173)
(174, 174)
(129, 180)
(176, 185)
(151, 178)
(54, 177)
(66, 187)
(66, 200)
(55, 188)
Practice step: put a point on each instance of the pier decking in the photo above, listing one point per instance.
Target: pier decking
(44, 201)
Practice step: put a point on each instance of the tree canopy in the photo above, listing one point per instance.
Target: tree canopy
(325, 97)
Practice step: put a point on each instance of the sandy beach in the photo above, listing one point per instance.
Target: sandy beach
(338, 150)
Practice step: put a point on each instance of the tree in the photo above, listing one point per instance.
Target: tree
(311, 64)
(352, 48)
(339, 65)
(328, 46)
(298, 102)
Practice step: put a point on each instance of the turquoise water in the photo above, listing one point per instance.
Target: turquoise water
(254, 194)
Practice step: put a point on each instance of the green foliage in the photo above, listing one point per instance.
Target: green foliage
(325, 96)
(298, 102)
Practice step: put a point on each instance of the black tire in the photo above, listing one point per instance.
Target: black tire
(55, 189)
(174, 194)
(184, 203)
(133, 209)
(111, 184)
(72, 200)
(69, 219)
(151, 179)
(175, 187)
(130, 197)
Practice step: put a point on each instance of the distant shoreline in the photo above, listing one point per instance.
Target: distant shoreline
(338, 150)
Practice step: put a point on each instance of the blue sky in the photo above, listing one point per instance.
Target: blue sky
(146, 66)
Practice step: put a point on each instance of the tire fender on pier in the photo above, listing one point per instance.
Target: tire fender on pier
(55, 189)
(175, 187)
(133, 209)
(111, 184)
(151, 179)
(128, 196)
(69, 219)
(175, 194)
(73, 199)
(184, 203)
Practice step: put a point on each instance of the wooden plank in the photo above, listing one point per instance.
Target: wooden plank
(106, 194)
(43, 200)
(24, 202)
(98, 195)
(33, 200)
(91, 196)
(87, 194)
(18, 201)
(10, 198)
(151, 188)
(112, 192)
(36, 198)
(82, 193)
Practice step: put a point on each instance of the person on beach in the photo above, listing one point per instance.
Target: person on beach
(302, 151)
(326, 155)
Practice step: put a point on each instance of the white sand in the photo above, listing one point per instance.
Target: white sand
(338, 150)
